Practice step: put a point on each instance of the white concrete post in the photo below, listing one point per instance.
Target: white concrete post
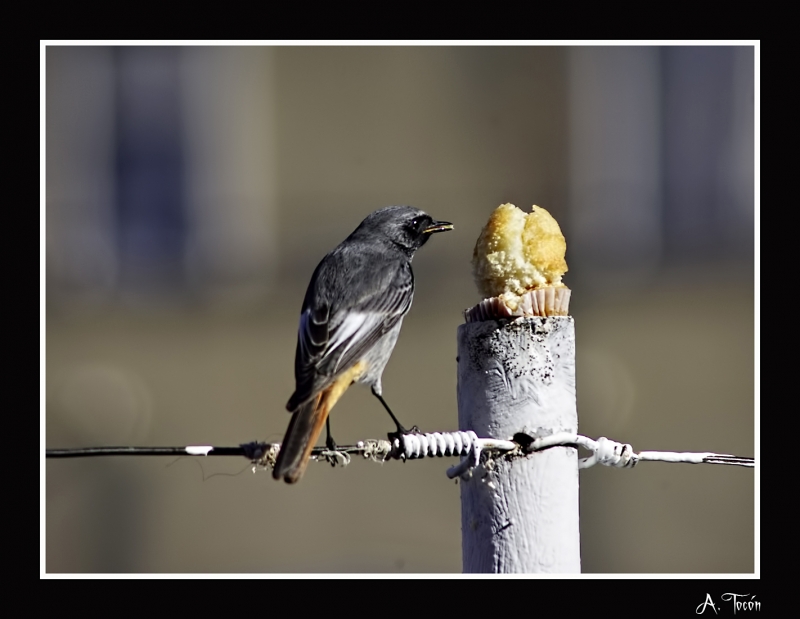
(520, 377)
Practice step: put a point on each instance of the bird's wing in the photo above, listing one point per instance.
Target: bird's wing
(337, 330)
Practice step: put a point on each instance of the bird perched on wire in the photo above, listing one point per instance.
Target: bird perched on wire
(349, 323)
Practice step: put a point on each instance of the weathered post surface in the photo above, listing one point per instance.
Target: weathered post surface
(519, 376)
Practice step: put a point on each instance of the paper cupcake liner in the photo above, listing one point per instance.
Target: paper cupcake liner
(540, 302)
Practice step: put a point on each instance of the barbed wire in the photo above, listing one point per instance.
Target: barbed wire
(415, 445)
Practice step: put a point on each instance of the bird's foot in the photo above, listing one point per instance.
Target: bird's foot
(335, 457)
(331, 444)
(398, 434)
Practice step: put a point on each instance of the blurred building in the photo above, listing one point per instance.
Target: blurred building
(161, 173)
(167, 169)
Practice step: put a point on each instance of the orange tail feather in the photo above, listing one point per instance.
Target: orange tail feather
(306, 425)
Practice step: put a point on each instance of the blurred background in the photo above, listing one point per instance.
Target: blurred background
(191, 191)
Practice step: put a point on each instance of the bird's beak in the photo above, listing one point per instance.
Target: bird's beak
(438, 226)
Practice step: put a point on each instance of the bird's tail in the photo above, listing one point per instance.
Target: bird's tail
(306, 425)
(301, 436)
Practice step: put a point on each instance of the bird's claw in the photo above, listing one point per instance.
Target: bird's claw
(401, 431)
(335, 457)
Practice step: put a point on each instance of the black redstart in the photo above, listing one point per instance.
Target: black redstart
(351, 317)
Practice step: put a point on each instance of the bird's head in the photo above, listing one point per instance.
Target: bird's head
(405, 226)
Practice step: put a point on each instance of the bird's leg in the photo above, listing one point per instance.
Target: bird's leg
(329, 442)
(333, 455)
(400, 428)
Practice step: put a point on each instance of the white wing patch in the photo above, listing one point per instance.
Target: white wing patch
(354, 327)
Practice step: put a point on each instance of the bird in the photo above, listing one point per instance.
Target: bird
(349, 322)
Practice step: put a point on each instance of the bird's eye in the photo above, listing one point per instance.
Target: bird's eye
(415, 222)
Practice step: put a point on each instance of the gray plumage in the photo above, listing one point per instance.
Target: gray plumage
(352, 312)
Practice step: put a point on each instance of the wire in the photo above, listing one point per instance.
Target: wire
(416, 445)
